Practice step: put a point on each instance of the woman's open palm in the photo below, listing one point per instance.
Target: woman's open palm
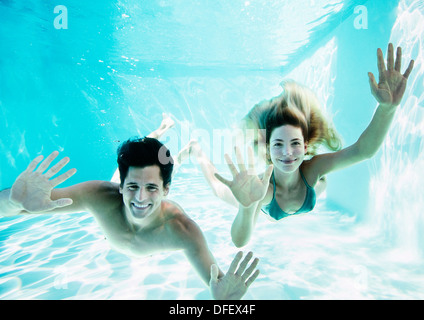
(391, 83)
(246, 186)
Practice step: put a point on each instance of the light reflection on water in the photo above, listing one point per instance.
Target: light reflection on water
(324, 255)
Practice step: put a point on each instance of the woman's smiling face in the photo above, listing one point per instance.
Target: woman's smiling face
(287, 148)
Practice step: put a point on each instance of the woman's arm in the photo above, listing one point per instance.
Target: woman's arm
(244, 224)
(388, 93)
(249, 190)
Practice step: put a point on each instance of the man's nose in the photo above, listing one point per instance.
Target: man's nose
(141, 194)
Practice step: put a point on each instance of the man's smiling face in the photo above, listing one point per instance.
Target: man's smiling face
(142, 193)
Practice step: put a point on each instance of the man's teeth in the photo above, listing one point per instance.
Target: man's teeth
(141, 206)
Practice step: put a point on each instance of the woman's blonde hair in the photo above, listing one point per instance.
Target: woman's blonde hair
(297, 106)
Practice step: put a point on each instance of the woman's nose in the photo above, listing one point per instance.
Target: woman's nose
(287, 150)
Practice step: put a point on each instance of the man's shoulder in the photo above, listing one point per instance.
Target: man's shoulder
(174, 214)
(87, 195)
(172, 208)
(98, 188)
(106, 186)
(99, 193)
(178, 221)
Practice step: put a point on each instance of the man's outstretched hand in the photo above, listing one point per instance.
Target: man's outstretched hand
(236, 281)
(32, 189)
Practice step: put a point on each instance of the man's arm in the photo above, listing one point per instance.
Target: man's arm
(195, 247)
(230, 286)
(8, 208)
(33, 191)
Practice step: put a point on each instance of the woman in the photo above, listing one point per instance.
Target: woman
(298, 99)
(289, 184)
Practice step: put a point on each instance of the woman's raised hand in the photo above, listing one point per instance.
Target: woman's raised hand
(391, 83)
(246, 186)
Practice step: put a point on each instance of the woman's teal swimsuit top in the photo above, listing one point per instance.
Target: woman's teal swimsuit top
(273, 209)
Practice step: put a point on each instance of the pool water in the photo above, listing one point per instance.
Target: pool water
(119, 65)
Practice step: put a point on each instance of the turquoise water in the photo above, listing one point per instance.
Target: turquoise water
(120, 64)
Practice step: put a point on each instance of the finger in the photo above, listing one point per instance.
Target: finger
(63, 177)
(222, 179)
(390, 57)
(244, 263)
(235, 262)
(231, 165)
(380, 64)
(240, 160)
(46, 163)
(34, 163)
(373, 83)
(56, 168)
(398, 62)
(252, 278)
(268, 173)
(251, 268)
(408, 71)
(401, 89)
(214, 273)
(251, 160)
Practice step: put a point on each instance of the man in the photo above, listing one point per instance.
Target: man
(134, 215)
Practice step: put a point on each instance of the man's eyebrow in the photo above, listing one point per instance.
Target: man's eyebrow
(151, 184)
(147, 184)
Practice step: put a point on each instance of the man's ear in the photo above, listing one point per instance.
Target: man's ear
(166, 189)
(306, 148)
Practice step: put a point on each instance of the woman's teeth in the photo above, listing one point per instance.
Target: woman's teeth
(288, 161)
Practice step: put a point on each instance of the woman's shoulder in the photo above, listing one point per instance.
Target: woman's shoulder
(308, 170)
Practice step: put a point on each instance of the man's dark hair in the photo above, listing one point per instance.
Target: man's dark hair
(143, 152)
